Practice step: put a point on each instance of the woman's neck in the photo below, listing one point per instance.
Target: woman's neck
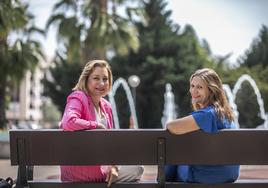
(198, 106)
(96, 102)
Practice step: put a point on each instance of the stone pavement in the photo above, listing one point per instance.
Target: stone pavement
(52, 172)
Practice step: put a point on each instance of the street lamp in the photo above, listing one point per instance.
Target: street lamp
(134, 81)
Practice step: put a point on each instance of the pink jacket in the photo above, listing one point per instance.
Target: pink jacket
(79, 114)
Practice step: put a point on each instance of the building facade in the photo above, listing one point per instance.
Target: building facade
(26, 99)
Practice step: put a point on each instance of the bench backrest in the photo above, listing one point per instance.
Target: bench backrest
(146, 147)
(130, 147)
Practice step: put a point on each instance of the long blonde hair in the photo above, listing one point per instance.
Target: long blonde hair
(217, 97)
(88, 69)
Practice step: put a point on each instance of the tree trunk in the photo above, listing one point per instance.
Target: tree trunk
(2, 104)
(3, 81)
(90, 51)
(103, 5)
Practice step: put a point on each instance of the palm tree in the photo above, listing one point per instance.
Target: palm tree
(89, 29)
(18, 55)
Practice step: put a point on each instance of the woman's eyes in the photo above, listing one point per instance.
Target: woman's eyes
(198, 87)
(98, 79)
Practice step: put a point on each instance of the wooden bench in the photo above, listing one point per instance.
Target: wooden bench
(131, 147)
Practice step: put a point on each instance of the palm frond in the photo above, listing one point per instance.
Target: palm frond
(64, 5)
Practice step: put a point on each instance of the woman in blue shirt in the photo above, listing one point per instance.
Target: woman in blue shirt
(211, 114)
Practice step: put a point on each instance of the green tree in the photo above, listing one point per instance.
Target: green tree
(166, 54)
(64, 77)
(259, 73)
(51, 116)
(255, 63)
(258, 52)
(248, 107)
(16, 57)
(87, 30)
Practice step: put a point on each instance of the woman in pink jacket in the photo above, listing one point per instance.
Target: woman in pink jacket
(87, 109)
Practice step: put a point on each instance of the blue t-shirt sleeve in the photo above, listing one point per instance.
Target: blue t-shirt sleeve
(206, 120)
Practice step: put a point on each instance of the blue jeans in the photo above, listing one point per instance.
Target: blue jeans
(176, 173)
(202, 173)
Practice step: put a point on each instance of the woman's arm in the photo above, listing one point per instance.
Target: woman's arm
(72, 119)
(182, 125)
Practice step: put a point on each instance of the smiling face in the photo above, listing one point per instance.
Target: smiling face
(199, 92)
(98, 82)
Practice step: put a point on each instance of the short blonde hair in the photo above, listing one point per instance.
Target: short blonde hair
(217, 97)
(87, 71)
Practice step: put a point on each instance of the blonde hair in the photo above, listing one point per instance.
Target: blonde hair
(217, 97)
(87, 71)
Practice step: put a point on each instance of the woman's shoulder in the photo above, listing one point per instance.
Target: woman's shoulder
(206, 110)
(80, 95)
(106, 103)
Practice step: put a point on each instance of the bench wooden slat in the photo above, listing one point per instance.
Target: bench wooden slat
(223, 185)
(136, 147)
(244, 147)
(91, 185)
(47, 147)
(245, 184)
(85, 147)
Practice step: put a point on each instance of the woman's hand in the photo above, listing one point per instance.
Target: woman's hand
(112, 175)
(100, 126)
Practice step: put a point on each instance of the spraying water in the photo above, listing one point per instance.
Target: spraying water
(169, 112)
(232, 96)
(117, 83)
(231, 101)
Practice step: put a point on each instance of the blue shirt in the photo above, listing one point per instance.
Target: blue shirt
(209, 122)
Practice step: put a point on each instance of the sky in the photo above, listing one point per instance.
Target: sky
(229, 26)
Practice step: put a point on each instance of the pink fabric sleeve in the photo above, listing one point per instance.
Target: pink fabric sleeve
(72, 119)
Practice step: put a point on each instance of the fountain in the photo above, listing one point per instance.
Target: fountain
(231, 95)
(169, 112)
(117, 83)
(231, 101)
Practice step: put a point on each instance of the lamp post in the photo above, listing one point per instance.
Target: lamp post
(134, 81)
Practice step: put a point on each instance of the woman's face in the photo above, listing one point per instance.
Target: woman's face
(98, 82)
(199, 91)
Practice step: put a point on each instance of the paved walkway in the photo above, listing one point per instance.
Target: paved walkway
(52, 172)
